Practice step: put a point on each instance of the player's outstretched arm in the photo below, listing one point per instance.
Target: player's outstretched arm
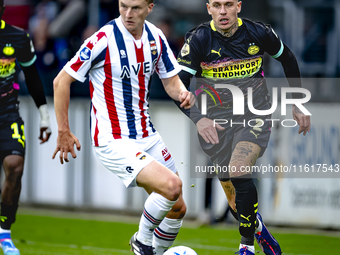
(177, 91)
(65, 140)
(302, 119)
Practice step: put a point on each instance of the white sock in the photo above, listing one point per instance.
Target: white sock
(250, 247)
(165, 235)
(156, 208)
(259, 228)
(2, 231)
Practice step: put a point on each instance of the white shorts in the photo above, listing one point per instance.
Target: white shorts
(127, 157)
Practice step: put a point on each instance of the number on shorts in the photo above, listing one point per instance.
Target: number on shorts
(16, 135)
(259, 124)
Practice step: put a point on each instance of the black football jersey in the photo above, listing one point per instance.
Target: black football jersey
(15, 46)
(235, 60)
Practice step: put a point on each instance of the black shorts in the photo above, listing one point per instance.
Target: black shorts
(257, 131)
(12, 136)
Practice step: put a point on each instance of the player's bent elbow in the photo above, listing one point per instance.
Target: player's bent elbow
(56, 83)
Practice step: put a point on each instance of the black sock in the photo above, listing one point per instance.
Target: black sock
(246, 205)
(247, 240)
(233, 213)
(8, 213)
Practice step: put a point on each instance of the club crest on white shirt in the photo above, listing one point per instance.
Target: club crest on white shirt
(85, 54)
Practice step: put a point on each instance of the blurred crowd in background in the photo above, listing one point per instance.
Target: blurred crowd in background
(310, 28)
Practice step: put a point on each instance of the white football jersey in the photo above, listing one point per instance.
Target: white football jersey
(119, 69)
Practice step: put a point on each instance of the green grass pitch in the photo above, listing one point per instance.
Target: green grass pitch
(45, 232)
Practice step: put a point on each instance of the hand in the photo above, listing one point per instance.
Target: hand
(45, 126)
(65, 144)
(206, 129)
(187, 99)
(302, 119)
(47, 131)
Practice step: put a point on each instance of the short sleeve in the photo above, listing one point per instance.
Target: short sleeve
(90, 54)
(272, 42)
(26, 53)
(167, 65)
(190, 54)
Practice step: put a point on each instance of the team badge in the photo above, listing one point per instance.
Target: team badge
(85, 54)
(185, 50)
(153, 47)
(253, 49)
(8, 50)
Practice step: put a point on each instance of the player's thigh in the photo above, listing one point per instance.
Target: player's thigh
(257, 131)
(12, 144)
(13, 167)
(161, 153)
(243, 157)
(125, 158)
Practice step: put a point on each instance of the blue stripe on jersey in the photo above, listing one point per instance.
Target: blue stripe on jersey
(126, 81)
(165, 57)
(154, 59)
(151, 38)
(100, 57)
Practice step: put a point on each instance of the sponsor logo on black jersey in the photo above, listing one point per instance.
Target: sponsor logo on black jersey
(253, 49)
(217, 52)
(8, 50)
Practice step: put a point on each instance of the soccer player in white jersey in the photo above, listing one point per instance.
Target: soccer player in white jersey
(119, 60)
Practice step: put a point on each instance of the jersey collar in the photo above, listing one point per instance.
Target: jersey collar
(212, 25)
(3, 24)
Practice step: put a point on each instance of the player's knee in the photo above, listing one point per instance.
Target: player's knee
(14, 170)
(174, 188)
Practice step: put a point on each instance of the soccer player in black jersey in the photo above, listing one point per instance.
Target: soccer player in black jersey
(229, 50)
(15, 47)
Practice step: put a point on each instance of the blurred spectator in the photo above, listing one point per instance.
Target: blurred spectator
(108, 11)
(167, 28)
(17, 13)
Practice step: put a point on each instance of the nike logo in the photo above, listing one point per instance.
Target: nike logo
(217, 52)
(247, 218)
(252, 132)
